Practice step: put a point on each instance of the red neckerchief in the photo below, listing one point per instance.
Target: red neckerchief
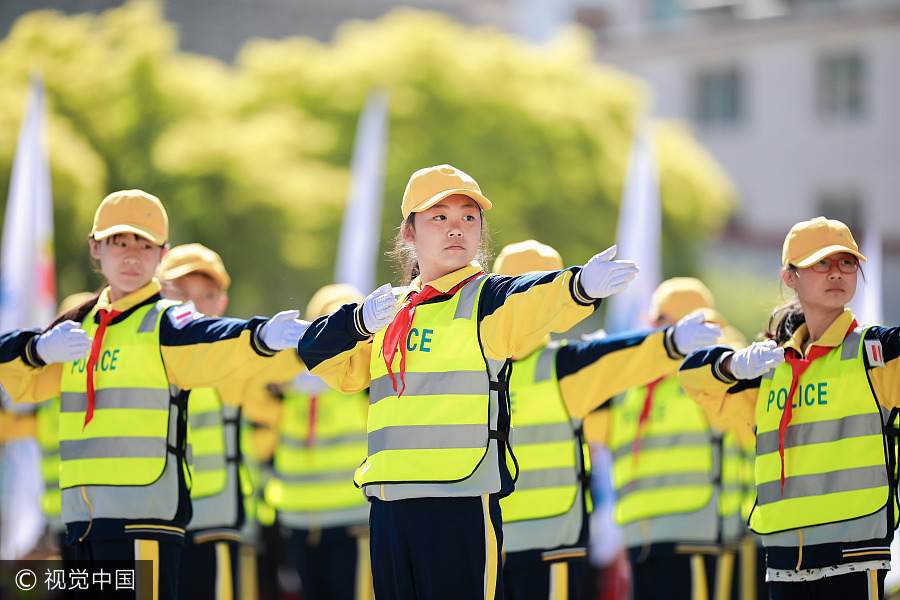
(105, 317)
(642, 419)
(311, 421)
(398, 329)
(798, 366)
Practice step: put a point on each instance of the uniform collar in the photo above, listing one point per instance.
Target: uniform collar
(131, 300)
(449, 281)
(833, 337)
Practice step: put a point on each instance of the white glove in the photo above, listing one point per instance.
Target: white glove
(283, 331)
(755, 359)
(379, 308)
(64, 343)
(692, 333)
(602, 276)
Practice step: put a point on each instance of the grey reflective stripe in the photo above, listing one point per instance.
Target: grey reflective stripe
(208, 462)
(430, 437)
(124, 398)
(544, 478)
(205, 420)
(113, 447)
(494, 367)
(869, 527)
(546, 362)
(350, 438)
(654, 442)
(801, 486)
(465, 303)
(701, 525)
(454, 383)
(542, 434)
(318, 477)
(850, 345)
(770, 374)
(820, 432)
(148, 323)
(669, 480)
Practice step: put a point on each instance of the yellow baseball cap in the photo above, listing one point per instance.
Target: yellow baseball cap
(527, 257)
(73, 301)
(194, 258)
(810, 241)
(131, 211)
(429, 186)
(330, 298)
(678, 297)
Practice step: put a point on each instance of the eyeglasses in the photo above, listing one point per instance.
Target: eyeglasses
(844, 265)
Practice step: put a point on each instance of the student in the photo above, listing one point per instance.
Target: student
(322, 441)
(211, 557)
(822, 392)
(438, 420)
(552, 388)
(120, 372)
(676, 476)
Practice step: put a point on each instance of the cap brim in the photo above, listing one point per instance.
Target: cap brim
(818, 255)
(483, 202)
(194, 267)
(111, 231)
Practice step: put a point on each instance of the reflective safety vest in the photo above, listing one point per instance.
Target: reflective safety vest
(440, 429)
(835, 450)
(137, 431)
(673, 472)
(313, 478)
(47, 431)
(546, 440)
(733, 492)
(214, 448)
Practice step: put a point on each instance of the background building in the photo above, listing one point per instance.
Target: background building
(796, 99)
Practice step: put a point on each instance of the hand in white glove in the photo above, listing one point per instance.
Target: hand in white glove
(379, 308)
(602, 276)
(283, 331)
(692, 333)
(64, 343)
(755, 359)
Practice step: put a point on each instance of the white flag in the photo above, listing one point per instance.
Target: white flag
(361, 225)
(27, 300)
(638, 234)
(867, 304)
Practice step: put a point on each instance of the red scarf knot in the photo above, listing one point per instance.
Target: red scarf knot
(398, 329)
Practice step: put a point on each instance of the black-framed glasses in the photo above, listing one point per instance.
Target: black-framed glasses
(844, 265)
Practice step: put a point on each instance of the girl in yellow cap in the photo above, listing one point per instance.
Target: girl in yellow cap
(438, 420)
(119, 363)
(822, 393)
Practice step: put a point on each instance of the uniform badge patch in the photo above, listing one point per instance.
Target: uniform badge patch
(875, 353)
(182, 314)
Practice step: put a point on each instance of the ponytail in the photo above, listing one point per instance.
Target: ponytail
(785, 319)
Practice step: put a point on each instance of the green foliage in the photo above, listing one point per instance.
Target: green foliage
(252, 159)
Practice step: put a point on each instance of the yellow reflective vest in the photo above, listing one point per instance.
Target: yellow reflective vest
(546, 441)
(47, 431)
(134, 433)
(673, 472)
(312, 482)
(439, 430)
(835, 450)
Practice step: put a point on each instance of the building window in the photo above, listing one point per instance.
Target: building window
(718, 96)
(841, 85)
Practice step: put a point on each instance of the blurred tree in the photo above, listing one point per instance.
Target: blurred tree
(251, 160)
